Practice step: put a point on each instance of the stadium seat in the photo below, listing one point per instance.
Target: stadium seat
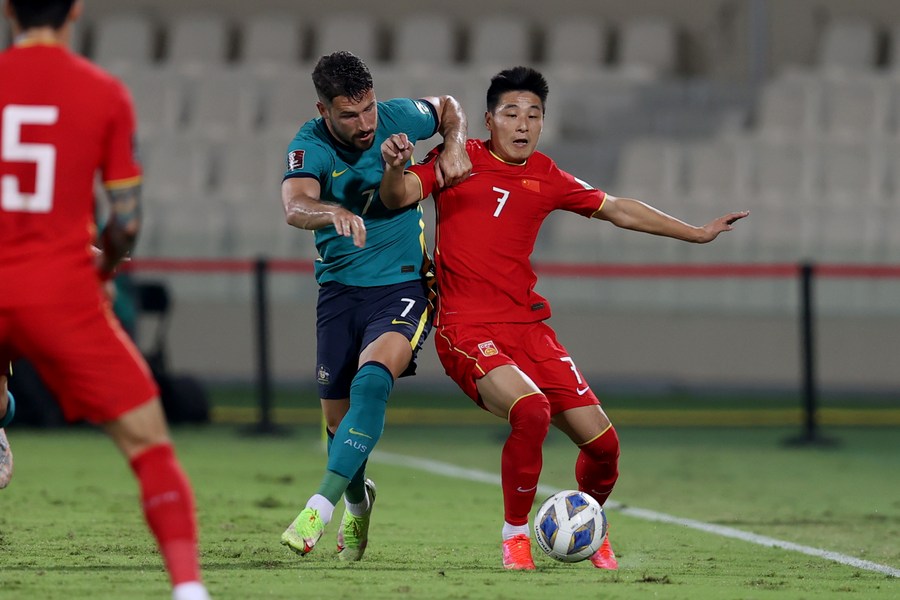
(251, 171)
(575, 42)
(195, 228)
(288, 100)
(850, 231)
(893, 59)
(848, 170)
(893, 98)
(716, 182)
(714, 171)
(355, 32)
(890, 249)
(650, 169)
(848, 44)
(789, 108)
(197, 41)
(424, 40)
(223, 103)
(781, 187)
(271, 42)
(258, 228)
(124, 40)
(855, 108)
(159, 96)
(592, 104)
(498, 42)
(889, 152)
(5, 36)
(177, 170)
(396, 81)
(648, 48)
(781, 173)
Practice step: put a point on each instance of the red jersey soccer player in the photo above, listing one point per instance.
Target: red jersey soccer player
(491, 336)
(63, 120)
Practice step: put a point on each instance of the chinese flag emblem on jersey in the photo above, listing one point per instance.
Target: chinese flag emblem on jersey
(532, 185)
(488, 348)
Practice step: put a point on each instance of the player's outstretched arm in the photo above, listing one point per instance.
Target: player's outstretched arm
(398, 189)
(629, 213)
(122, 228)
(303, 209)
(453, 164)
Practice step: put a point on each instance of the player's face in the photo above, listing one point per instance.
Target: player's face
(515, 126)
(352, 123)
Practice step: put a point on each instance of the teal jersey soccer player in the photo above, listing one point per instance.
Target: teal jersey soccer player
(373, 312)
(350, 178)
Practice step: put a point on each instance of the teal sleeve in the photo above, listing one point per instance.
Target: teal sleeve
(417, 118)
(306, 158)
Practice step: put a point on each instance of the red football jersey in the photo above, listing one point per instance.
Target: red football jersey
(486, 230)
(62, 120)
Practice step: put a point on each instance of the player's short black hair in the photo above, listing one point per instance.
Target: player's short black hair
(341, 74)
(517, 79)
(41, 13)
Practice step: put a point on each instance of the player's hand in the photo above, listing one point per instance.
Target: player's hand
(396, 151)
(348, 224)
(724, 223)
(453, 165)
(106, 269)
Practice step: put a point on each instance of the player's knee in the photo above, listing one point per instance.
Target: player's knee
(603, 448)
(368, 400)
(531, 413)
(139, 429)
(373, 383)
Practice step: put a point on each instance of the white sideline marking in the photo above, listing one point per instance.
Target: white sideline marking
(449, 470)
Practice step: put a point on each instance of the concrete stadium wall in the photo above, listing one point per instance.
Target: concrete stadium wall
(216, 341)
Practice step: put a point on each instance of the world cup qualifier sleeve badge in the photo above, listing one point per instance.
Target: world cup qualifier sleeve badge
(295, 160)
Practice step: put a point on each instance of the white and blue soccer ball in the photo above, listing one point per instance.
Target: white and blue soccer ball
(570, 526)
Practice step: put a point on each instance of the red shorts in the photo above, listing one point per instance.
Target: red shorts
(469, 352)
(83, 356)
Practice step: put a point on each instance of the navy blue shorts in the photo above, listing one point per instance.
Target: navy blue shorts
(350, 318)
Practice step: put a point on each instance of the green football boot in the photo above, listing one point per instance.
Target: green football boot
(353, 534)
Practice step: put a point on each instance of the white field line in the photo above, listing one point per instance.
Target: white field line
(448, 470)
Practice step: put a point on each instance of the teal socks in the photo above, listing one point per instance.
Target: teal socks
(358, 432)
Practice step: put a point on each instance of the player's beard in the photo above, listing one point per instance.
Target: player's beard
(364, 145)
(354, 141)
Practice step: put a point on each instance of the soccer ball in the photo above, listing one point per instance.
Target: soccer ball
(570, 526)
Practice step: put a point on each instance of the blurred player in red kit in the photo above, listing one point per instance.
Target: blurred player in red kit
(63, 121)
(490, 332)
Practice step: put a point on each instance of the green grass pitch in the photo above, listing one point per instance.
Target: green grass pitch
(70, 526)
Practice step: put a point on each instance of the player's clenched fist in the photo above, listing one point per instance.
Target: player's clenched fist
(396, 150)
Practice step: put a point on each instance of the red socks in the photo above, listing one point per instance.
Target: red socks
(597, 467)
(168, 504)
(521, 459)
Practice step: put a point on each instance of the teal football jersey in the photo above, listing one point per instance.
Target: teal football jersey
(395, 239)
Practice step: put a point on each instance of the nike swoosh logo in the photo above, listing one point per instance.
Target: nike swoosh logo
(359, 433)
(582, 392)
(339, 173)
(531, 489)
(399, 322)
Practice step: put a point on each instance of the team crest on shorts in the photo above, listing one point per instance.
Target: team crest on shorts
(488, 348)
(295, 160)
(323, 376)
